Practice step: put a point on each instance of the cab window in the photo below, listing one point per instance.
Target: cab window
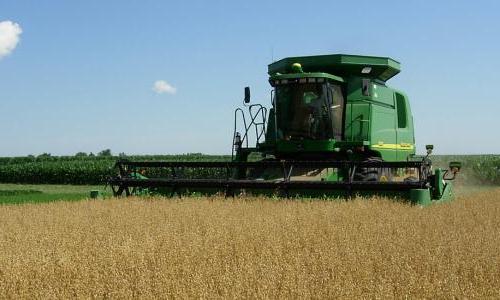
(401, 110)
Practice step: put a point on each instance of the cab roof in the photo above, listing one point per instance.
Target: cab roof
(344, 65)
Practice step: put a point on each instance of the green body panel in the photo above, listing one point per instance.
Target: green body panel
(448, 193)
(440, 191)
(420, 196)
(374, 118)
(439, 185)
(357, 121)
(383, 124)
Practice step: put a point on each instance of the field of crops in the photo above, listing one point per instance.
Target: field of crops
(86, 170)
(93, 170)
(36, 193)
(251, 248)
(244, 248)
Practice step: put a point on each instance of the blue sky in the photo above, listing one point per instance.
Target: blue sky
(81, 78)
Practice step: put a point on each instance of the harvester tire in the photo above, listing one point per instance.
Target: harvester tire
(373, 174)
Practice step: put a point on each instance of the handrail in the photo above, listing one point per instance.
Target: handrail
(255, 112)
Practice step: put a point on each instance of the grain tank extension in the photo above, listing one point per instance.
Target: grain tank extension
(334, 128)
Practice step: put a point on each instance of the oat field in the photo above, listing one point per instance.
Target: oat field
(251, 248)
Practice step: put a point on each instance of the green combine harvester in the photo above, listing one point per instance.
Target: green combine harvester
(334, 129)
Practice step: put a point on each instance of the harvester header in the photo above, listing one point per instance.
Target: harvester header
(380, 68)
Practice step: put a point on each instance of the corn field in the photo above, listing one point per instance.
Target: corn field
(78, 170)
(251, 248)
(484, 169)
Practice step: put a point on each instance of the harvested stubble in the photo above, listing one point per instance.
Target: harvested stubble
(251, 248)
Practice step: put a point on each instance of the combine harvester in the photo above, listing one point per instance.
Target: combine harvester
(334, 129)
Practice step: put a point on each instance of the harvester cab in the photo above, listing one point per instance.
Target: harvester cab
(335, 106)
(334, 128)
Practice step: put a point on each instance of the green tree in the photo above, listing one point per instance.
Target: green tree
(105, 152)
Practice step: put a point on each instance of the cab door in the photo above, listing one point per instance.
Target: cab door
(336, 109)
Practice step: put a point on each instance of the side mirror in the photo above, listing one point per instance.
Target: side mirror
(429, 149)
(455, 166)
(247, 95)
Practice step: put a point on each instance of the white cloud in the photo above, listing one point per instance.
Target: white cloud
(9, 37)
(161, 87)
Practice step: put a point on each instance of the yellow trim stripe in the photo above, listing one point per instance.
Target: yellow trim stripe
(401, 146)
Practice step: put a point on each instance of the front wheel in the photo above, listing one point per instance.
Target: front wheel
(373, 174)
